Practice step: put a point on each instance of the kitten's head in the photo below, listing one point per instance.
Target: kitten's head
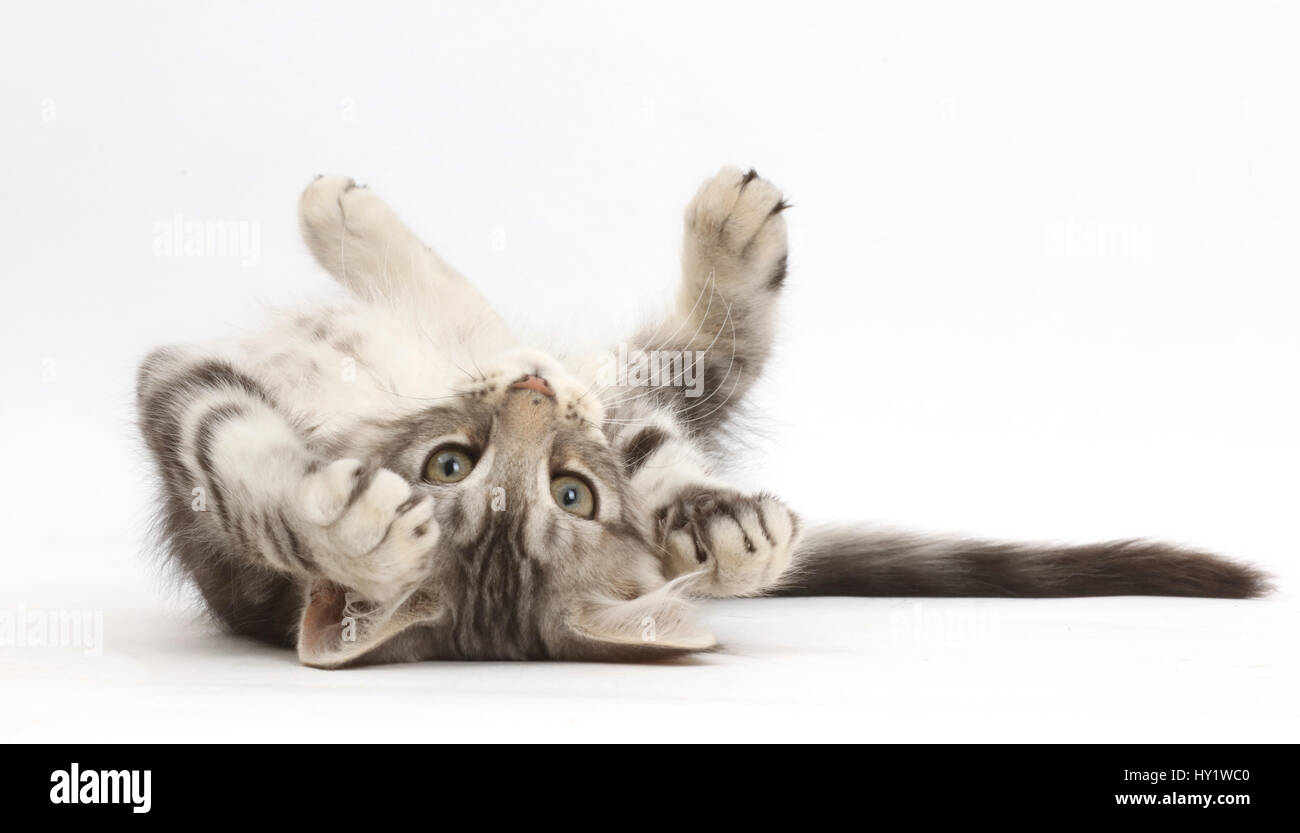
(543, 553)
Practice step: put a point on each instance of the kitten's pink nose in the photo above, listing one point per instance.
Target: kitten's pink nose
(536, 384)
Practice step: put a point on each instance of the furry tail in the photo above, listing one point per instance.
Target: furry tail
(846, 562)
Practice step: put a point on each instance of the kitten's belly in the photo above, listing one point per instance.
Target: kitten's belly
(343, 366)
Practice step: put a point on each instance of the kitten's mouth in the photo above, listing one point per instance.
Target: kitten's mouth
(536, 384)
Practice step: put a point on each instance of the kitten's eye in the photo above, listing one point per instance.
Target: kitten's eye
(449, 464)
(574, 495)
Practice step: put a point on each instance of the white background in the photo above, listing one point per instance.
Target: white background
(1043, 285)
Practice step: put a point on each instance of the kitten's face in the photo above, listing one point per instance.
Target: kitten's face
(544, 551)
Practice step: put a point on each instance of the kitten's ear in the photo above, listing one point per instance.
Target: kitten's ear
(336, 630)
(658, 624)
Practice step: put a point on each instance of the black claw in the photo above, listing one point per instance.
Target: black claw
(778, 274)
(749, 177)
(701, 553)
(703, 503)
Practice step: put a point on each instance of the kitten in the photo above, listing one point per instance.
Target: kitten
(398, 478)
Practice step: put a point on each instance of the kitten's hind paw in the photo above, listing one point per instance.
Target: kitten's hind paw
(735, 231)
(352, 232)
(320, 208)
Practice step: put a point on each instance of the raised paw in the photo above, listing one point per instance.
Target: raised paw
(325, 491)
(334, 206)
(365, 529)
(351, 231)
(742, 544)
(735, 230)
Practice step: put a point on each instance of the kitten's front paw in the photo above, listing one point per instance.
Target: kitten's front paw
(743, 543)
(735, 231)
(364, 528)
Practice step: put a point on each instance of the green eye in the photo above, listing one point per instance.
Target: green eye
(449, 464)
(573, 495)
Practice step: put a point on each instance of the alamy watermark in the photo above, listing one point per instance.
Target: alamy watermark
(179, 237)
(1075, 239)
(922, 624)
(653, 368)
(75, 785)
(24, 628)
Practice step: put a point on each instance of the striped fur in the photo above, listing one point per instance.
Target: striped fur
(296, 489)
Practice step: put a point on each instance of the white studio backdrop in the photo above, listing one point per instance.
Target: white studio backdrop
(1043, 282)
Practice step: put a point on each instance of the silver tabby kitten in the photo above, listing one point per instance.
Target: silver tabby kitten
(398, 478)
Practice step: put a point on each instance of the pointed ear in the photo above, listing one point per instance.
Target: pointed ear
(336, 630)
(658, 624)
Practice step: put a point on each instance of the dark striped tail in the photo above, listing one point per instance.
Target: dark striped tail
(847, 562)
